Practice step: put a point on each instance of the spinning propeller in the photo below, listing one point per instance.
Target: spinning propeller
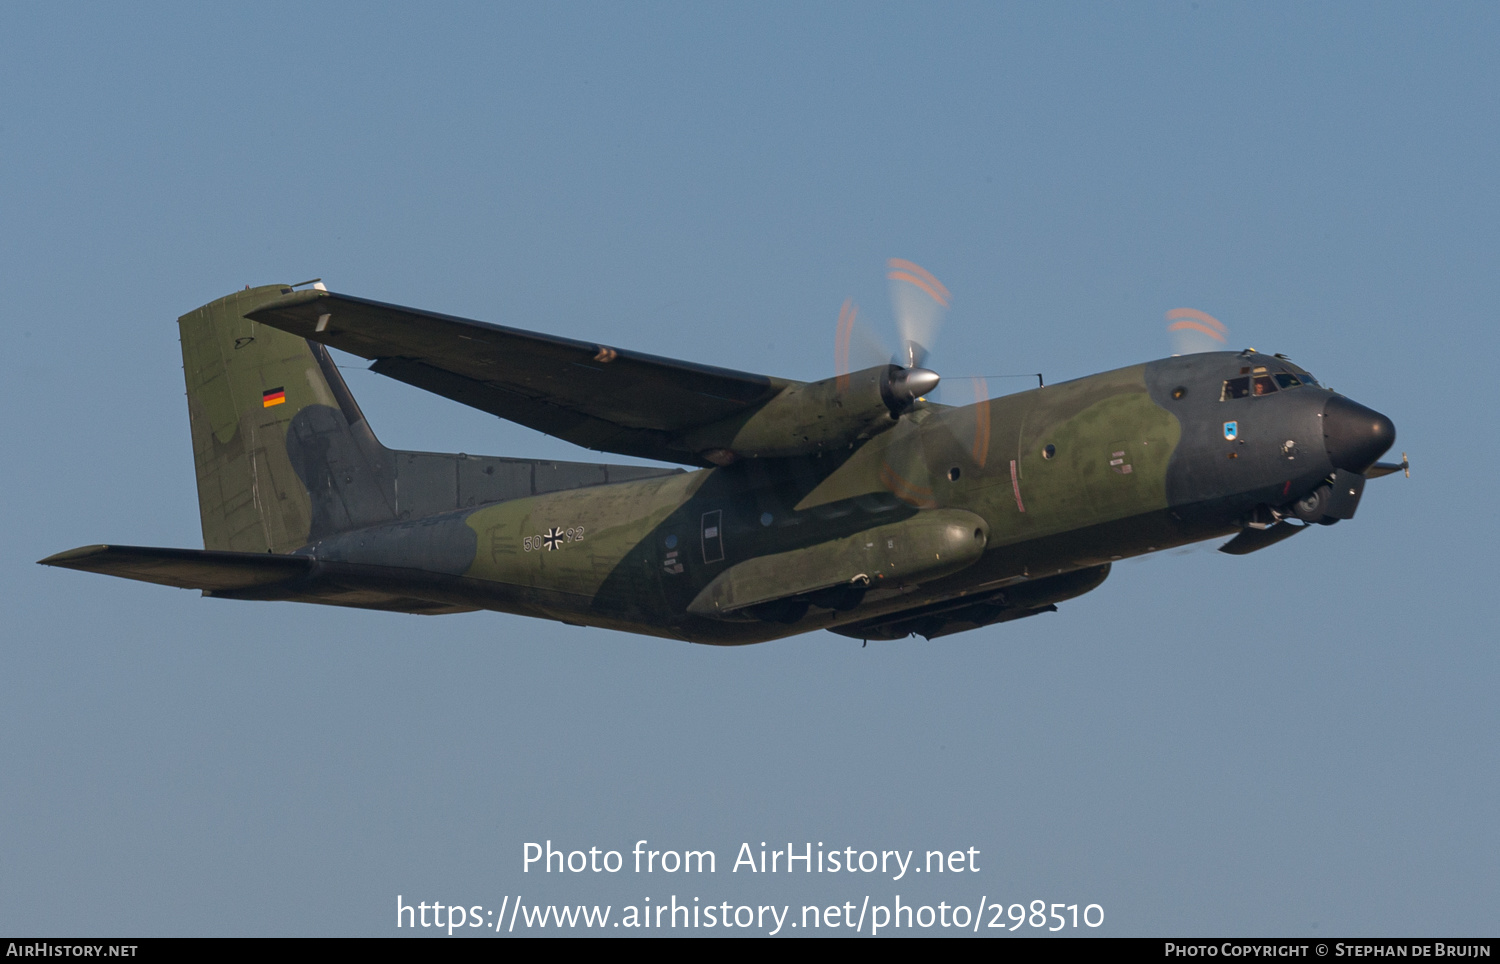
(919, 303)
(1195, 331)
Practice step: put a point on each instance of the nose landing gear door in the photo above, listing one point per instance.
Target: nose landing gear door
(713, 536)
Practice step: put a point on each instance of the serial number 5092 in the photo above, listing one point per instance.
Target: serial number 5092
(554, 538)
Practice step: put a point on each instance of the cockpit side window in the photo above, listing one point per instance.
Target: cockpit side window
(1287, 380)
(1235, 388)
(1263, 385)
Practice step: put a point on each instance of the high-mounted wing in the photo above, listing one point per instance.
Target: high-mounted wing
(603, 398)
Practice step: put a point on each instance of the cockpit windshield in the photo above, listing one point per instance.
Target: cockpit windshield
(1260, 381)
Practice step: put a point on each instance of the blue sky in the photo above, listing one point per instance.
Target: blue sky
(1298, 742)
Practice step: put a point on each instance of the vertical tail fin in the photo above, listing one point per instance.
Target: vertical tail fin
(283, 454)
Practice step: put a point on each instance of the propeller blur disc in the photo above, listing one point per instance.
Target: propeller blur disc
(855, 346)
(920, 301)
(968, 419)
(1195, 331)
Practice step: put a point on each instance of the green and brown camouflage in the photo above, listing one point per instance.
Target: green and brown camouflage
(849, 504)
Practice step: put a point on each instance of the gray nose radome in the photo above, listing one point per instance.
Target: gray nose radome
(1355, 436)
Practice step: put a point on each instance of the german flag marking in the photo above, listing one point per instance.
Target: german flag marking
(272, 396)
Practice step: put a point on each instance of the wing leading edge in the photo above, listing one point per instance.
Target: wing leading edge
(607, 399)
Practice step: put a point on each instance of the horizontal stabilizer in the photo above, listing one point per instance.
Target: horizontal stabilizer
(270, 576)
(185, 568)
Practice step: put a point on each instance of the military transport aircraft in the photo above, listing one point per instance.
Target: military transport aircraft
(852, 504)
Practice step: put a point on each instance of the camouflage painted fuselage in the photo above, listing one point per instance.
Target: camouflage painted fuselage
(949, 519)
(1132, 471)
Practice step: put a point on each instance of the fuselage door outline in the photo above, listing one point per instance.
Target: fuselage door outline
(713, 536)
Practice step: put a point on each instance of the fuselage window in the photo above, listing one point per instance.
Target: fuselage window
(1235, 388)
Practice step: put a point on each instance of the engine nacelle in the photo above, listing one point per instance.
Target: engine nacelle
(808, 417)
(928, 545)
